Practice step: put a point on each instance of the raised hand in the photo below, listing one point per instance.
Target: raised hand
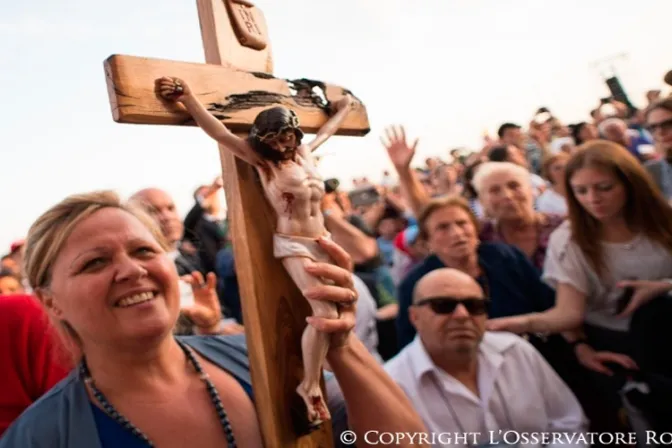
(206, 312)
(172, 88)
(398, 150)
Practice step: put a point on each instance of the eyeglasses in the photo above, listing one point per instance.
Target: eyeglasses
(663, 126)
(447, 305)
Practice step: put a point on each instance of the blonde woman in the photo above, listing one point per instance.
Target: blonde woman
(101, 270)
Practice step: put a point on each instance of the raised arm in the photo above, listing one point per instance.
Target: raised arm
(342, 108)
(374, 401)
(175, 89)
(401, 155)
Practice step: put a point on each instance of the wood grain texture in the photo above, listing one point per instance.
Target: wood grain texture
(274, 310)
(232, 95)
(216, 26)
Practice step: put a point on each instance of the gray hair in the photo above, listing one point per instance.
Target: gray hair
(609, 122)
(486, 170)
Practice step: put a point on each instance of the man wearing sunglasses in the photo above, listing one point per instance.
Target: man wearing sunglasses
(465, 381)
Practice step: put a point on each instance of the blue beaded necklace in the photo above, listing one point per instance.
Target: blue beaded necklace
(85, 374)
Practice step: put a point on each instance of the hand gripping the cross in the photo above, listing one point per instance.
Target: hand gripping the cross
(177, 90)
(172, 88)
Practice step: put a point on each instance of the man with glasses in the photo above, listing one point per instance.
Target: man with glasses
(659, 124)
(485, 387)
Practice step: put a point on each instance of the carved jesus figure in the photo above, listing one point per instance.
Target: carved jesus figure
(294, 189)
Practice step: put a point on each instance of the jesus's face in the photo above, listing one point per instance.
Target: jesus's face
(284, 141)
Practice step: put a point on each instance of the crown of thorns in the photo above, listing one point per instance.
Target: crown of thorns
(270, 135)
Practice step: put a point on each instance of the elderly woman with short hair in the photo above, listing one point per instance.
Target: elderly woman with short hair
(506, 194)
(504, 191)
(451, 231)
(101, 270)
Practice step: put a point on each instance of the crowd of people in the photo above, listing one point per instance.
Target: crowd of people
(522, 287)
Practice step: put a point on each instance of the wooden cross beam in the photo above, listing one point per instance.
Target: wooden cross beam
(232, 95)
(236, 84)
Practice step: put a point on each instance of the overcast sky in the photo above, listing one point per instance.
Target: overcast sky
(446, 69)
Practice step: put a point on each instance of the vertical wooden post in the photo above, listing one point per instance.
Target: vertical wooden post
(236, 85)
(273, 309)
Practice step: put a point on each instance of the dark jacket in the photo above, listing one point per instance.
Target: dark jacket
(206, 235)
(514, 285)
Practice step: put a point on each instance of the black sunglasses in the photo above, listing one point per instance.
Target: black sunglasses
(663, 125)
(446, 305)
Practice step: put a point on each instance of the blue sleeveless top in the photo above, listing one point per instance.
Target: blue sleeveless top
(113, 435)
(65, 417)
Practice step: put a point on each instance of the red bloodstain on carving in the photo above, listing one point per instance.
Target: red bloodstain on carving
(289, 200)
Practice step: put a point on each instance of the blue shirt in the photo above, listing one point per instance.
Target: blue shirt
(65, 418)
(113, 435)
(386, 248)
(514, 285)
(636, 141)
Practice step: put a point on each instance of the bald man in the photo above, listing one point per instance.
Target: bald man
(464, 380)
(161, 206)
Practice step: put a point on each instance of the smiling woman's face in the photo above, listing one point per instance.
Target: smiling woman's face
(113, 283)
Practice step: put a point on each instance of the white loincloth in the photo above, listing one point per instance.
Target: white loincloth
(285, 246)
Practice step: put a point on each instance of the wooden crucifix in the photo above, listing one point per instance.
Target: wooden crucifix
(235, 85)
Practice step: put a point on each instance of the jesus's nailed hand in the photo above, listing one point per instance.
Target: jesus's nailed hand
(172, 88)
(344, 103)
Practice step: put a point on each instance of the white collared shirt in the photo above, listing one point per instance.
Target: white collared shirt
(518, 391)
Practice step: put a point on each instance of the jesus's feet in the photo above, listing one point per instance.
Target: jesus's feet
(317, 408)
